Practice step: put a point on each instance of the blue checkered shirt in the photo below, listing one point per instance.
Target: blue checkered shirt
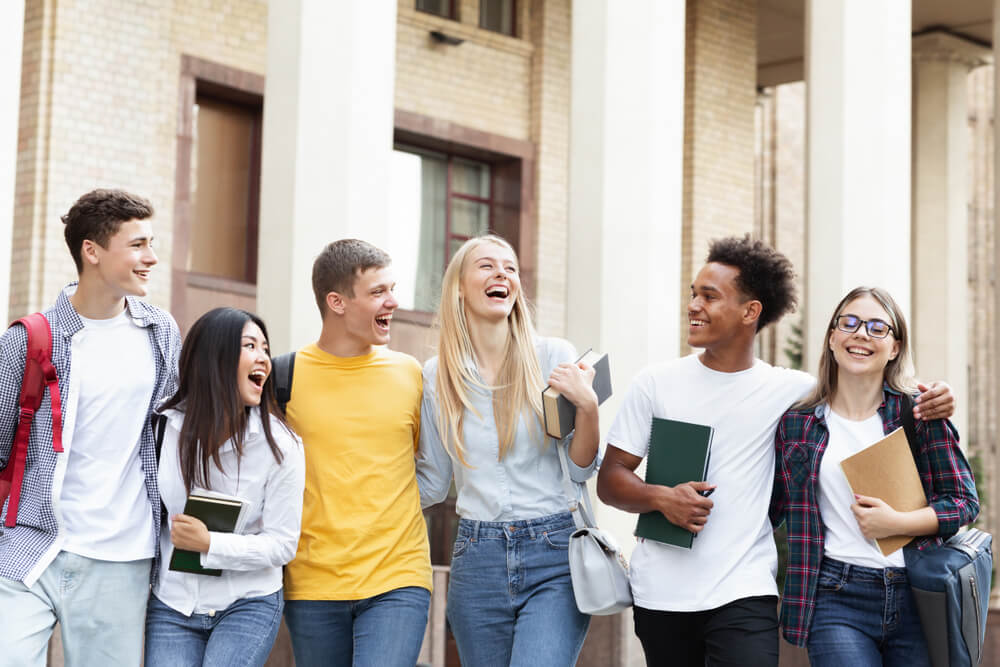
(27, 548)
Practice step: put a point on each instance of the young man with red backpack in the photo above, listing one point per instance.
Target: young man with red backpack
(79, 530)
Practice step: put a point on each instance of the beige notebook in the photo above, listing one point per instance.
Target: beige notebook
(886, 470)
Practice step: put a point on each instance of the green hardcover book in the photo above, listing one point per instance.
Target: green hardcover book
(678, 452)
(221, 514)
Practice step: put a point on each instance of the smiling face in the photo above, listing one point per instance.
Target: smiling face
(368, 314)
(122, 268)
(490, 283)
(254, 365)
(718, 308)
(858, 354)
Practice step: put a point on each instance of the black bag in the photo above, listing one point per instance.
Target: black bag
(951, 586)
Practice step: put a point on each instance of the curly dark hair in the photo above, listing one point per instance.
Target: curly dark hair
(765, 274)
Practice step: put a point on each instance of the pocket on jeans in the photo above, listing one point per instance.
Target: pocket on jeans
(829, 582)
(460, 546)
(558, 539)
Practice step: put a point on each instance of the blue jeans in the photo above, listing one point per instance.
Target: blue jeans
(99, 604)
(241, 634)
(865, 617)
(382, 631)
(510, 598)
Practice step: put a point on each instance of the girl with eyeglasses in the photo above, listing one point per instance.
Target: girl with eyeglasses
(510, 597)
(224, 434)
(843, 599)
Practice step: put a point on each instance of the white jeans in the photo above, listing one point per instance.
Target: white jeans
(100, 606)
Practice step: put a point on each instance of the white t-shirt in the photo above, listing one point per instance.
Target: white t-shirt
(104, 507)
(734, 556)
(842, 538)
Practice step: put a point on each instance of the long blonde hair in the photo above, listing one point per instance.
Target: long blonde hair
(898, 373)
(518, 388)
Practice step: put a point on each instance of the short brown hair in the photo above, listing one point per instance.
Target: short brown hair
(337, 268)
(97, 216)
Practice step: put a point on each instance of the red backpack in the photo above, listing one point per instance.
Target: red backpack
(38, 373)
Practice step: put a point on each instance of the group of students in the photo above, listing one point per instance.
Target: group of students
(336, 479)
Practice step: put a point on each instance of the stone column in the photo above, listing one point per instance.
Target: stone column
(11, 35)
(941, 63)
(626, 138)
(857, 156)
(625, 201)
(327, 144)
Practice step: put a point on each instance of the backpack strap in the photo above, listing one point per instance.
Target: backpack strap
(159, 425)
(909, 426)
(39, 373)
(284, 369)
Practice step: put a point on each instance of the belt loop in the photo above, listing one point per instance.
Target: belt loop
(475, 531)
(531, 530)
(847, 572)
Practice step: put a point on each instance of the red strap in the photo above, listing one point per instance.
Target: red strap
(38, 373)
(16, 466)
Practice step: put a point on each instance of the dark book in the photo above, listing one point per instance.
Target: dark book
(560, 414)
(679, 452)
(221, 514)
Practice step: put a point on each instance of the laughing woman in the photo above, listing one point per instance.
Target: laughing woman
(843, 600)
(510, 598)
(223, 435)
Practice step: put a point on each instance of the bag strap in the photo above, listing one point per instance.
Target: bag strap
(909, 426)
(583, 516)
(284, 368)
(159, 425)
(39, 373)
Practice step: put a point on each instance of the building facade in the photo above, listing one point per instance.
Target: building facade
(608, 141)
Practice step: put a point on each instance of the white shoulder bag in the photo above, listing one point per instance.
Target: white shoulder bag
(596, 564)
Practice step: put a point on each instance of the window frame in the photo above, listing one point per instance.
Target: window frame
(452, 11)
(513, 19)
(204, 78)
(512, 191)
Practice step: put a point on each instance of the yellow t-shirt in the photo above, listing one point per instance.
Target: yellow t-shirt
(362, 530)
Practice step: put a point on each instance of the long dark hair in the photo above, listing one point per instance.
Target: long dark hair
(209, 397)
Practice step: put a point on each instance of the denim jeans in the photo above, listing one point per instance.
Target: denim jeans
(865, 616)
(382, 631)
(510, 598)
(241, 634)
(100, 606)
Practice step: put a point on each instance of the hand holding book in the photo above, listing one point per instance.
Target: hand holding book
(189, 533)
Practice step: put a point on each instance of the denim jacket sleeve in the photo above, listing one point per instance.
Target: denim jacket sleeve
(434, 465)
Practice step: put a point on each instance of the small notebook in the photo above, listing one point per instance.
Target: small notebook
(221, 514)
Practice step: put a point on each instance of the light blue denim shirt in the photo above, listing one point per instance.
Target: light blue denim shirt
(526, 484)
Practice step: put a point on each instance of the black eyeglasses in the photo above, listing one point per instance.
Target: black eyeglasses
(876, 328)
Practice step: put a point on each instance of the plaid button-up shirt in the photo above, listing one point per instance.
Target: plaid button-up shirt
(799, 445)
(29, 547)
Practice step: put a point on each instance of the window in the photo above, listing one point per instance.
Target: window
(217, 189)
(437, 202)
(445, 8)
(497, 15)
(225, 171)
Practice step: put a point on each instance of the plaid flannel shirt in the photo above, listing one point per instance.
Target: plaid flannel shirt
(29, 547)
(799, 445)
